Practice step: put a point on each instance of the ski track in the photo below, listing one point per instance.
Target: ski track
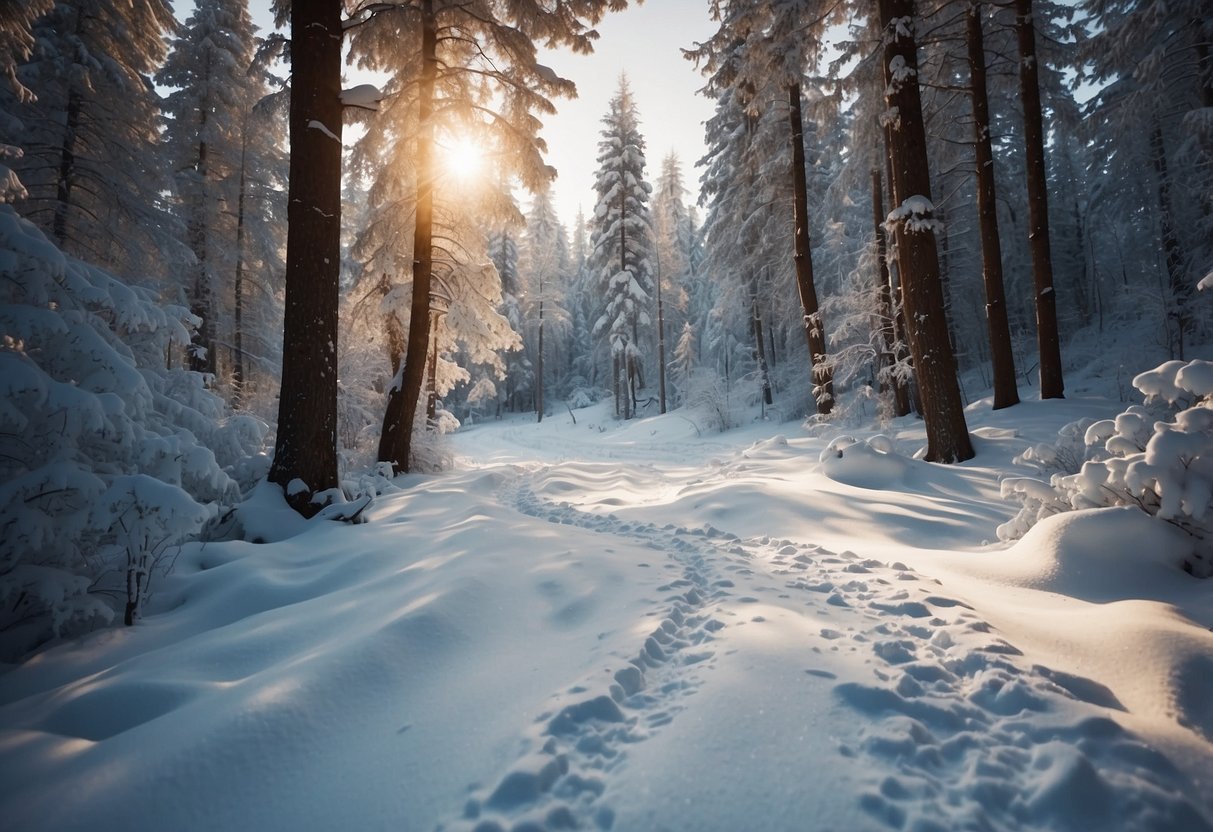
(959, 730)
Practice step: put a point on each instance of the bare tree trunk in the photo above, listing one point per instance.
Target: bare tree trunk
(999, 330)
(660, 341)
(1052, 385)
(899, 319)
(238, 285)
(539, 369)
(947, 434)
(305, 455)
(760, 352)
(1174, 258)
(822, 375)
(431, 398)
(396, 440)
(67, 155)
(888, 315)
(615, 373)
(202, 352)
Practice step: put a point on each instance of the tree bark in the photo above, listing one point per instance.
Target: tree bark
(1052, 385)
(396, 440)
(1172, 250)
(202, 352)
(539, 362)
(822, 375)
(660, 341)
(431, 397)
(67, 155)
(238, 283)
(947, 434)
(305, 454)
(1006, 393)
(760, 352)
(888, 315)
(899, 319)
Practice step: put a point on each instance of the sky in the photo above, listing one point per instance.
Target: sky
(645, 42)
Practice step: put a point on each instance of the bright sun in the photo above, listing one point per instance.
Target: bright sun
(463, 158)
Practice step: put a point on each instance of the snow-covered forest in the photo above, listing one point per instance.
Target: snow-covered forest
(856, 475)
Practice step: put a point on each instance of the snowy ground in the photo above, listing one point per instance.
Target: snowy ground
(636, 628)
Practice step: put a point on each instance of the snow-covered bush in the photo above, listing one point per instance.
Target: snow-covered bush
(85, 404)
(1066, 455)
(716, 404)
(1163, 466)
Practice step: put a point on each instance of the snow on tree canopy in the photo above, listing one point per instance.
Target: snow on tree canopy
(87, 406)
(366, 96)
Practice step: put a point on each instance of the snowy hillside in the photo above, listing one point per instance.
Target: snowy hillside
(628, 626)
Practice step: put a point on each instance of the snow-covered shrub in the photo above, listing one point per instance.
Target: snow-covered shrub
(85, 404)
(716, 404)
(1163, 466)
(1066, 455)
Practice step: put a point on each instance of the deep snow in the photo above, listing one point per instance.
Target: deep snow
(629, 626)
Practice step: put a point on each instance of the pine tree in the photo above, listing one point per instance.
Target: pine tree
(91, 136)
(1153, 114)
(475, 67)
(674, 239)
(542, 265)
(622, 246)
(208, 137)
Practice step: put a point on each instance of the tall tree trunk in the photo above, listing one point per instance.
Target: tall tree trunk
(1174, 257)
(202, 352)
(305, 455)
(902, 331)
(431, 397)
(396, 440)
(615, 373)
(539, 368)
(67, 155)
(1006, 393)
(760, 352)
(1052, 385)
(947, 434)
(822, 375)
(238, 283)
(888, 315)
(660, 341)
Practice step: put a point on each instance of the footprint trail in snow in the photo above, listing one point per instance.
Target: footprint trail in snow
(958, 730)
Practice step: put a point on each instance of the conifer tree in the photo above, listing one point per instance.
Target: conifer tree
(622, 246)
(90, 133)
(542, 263)
(476, 65)
(208, 143)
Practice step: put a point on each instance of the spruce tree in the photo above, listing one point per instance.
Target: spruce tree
(622, 246)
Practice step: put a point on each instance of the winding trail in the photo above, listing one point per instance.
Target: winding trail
(948, 725)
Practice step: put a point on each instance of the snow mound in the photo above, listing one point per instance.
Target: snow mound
(1107, 554)
(869, 463)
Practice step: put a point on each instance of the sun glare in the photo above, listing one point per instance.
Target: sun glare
(463, 158)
